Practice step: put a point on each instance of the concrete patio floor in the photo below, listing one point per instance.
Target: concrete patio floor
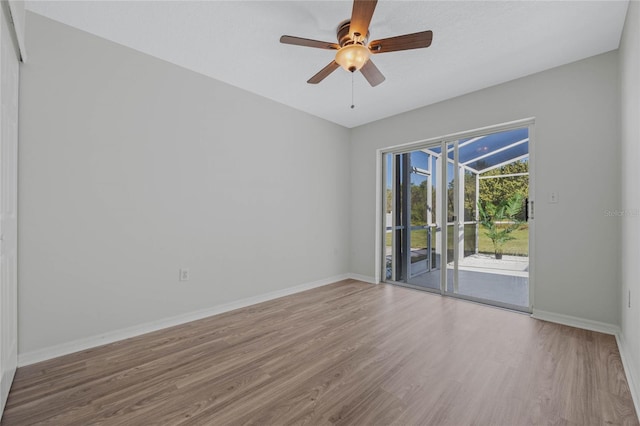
(484, 277)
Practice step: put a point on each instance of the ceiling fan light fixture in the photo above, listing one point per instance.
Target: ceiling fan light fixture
(352, 57)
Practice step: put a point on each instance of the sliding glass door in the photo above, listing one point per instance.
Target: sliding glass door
(456, 218)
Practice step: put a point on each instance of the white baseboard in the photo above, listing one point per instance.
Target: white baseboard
(365, 278)
(44, 354)
(629, 371)
(7, 376)
(601, 327)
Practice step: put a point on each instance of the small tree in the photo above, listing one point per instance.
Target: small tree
(501, 220)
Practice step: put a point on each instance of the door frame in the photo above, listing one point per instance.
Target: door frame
(380, 231)
(9, 97)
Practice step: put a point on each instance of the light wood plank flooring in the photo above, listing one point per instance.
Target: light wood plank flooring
(347, 353)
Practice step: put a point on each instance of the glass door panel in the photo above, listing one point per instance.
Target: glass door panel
(418, 237)
(412, 254)
(488, 254)
(397, 257)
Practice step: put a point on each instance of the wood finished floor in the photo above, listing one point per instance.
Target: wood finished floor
(347, 353)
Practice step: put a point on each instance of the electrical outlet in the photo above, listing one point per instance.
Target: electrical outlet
(184, 274)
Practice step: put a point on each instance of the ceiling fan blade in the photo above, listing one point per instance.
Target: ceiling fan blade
(324, 73)
(403, 42)
(299, 41)
(361, 17)
(372, 73)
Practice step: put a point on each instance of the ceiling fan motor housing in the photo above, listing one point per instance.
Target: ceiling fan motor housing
(344, 36)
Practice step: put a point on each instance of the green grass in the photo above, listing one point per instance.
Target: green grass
(518, 247)
(418, 238)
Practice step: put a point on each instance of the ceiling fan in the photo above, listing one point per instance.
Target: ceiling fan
(353, 53)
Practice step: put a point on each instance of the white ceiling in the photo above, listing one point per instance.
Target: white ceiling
(476, 44)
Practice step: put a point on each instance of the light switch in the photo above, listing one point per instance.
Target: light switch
(553, 197)
(184, 274)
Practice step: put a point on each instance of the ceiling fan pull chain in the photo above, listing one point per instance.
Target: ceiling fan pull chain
(352, 102)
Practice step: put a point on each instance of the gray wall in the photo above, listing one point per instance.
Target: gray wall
(131, 168)
(576, 108)
(630, 114)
